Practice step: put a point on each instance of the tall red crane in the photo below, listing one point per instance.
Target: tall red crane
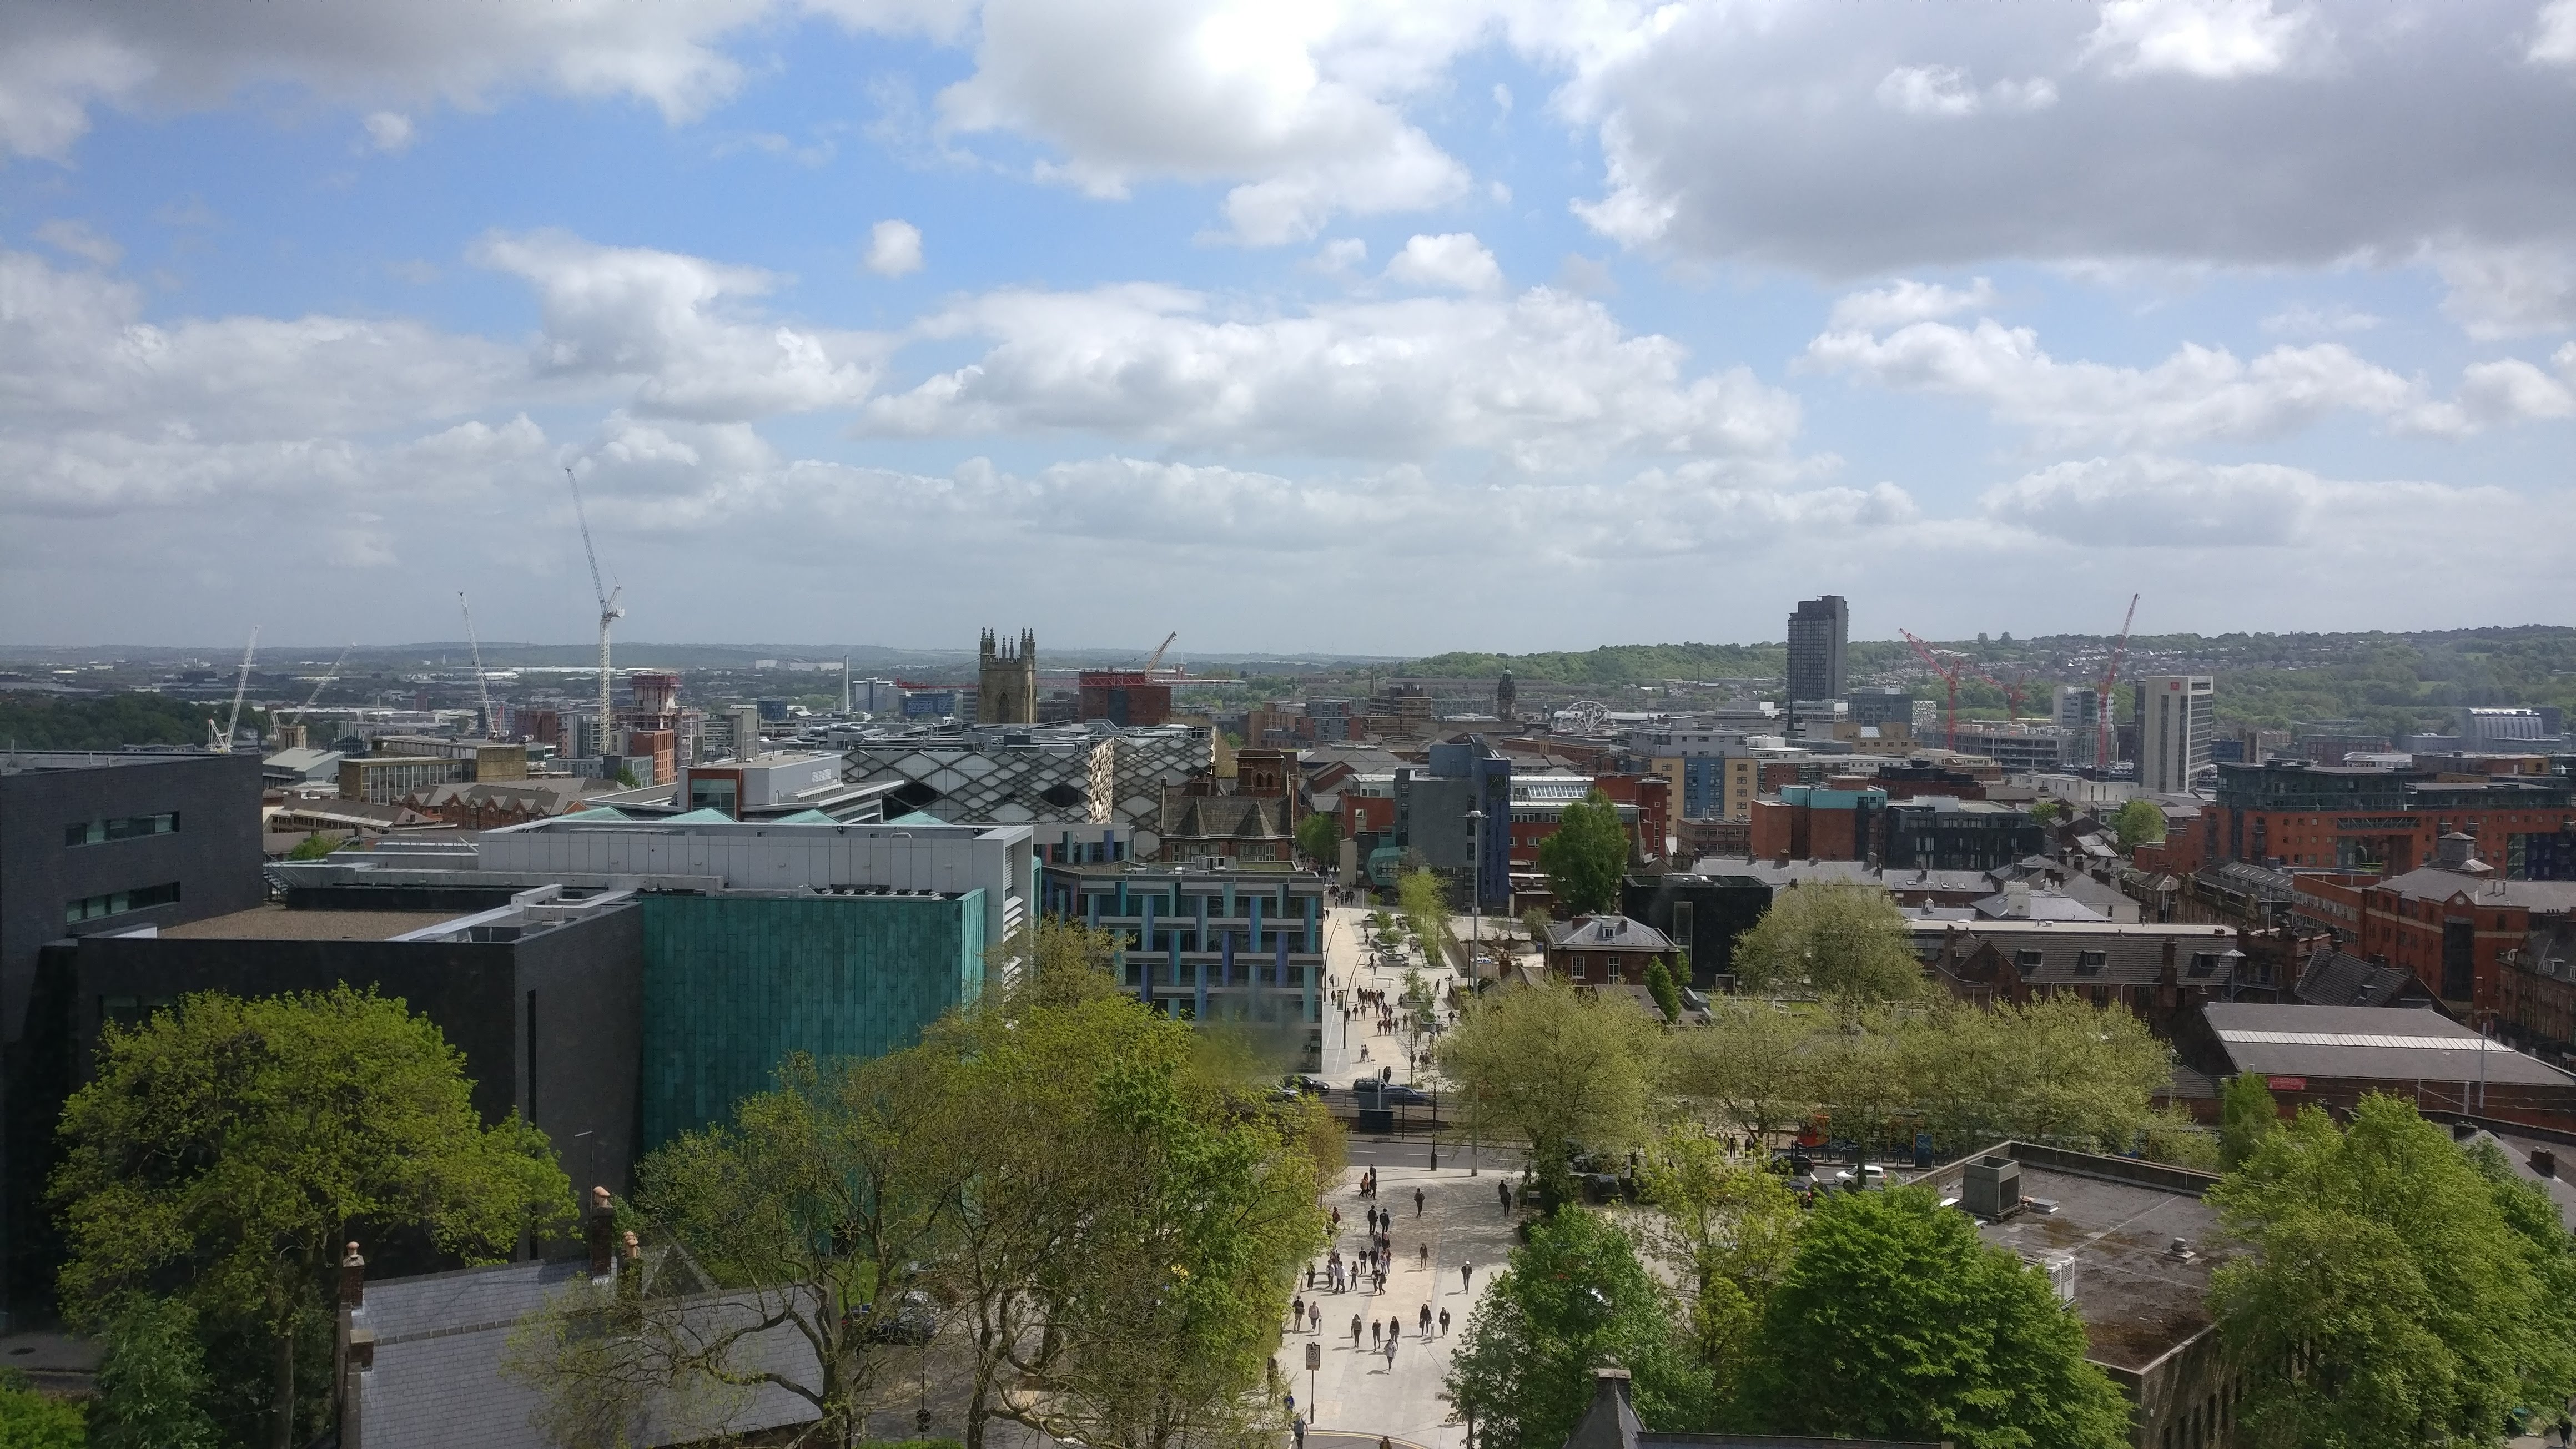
(2016, 689)
(2102, 697)
(1950, 674)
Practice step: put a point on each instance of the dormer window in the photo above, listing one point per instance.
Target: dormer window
(2090, 963)
(2204, 963)
(2030, 958)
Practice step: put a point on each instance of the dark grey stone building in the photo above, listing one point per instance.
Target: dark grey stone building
(91, 843)
(1819, 633)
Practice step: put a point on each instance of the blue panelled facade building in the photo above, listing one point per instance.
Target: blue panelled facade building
(1224, 944)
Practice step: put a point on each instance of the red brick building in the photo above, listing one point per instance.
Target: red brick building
(1810, 822)
(2358, 818)
(2448, 924)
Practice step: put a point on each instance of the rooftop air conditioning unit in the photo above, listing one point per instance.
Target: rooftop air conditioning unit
(1991, 1187)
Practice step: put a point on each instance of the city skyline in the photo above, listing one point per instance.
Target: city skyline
(1381, 331)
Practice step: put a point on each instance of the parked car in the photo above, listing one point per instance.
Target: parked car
(1309, 1084)
(1400, 1095)
(912, 1320)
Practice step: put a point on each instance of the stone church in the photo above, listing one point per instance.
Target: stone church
(1006, 680)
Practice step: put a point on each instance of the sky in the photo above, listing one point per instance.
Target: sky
(1486, 324)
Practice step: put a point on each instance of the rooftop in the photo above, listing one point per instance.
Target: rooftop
(2115, 1221)
(2382, 1043)
(277, 923)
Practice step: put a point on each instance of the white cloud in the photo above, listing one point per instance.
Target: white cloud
(1543, 380)
(2553, 34)
(1299, 106)
(2307, 319)
(894, 248)
(80, 239)
(1946, 90)
(2510, 291)
(2143, 501)
(389, 132)
(1905, 300)
(675, 324)
(1868, 138)
(1455, 260)
(2197, 394)
(1339, 257)
(2207, 39)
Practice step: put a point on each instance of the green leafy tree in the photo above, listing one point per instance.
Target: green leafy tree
(1726, 1233)
(2247, 1114)
(1425, 904)
(2137, 823)
(152, 1383)
(1896, 1321)
(1659, 985)
(1847, 943)
(2174, 1136)
(1586, 857)
(2419, 1295)
(1752, 1066)
(1562, 1070)
(313, 847)
(1536, 922)
(228, 1148)
(32, 1420)
(1574, 1296)
(2048, 812)
(1319, 837)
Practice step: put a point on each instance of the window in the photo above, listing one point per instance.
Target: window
(117, 903)
(2204, 963)
(1574, 967)
(123, 827)
(1618, 971)
(2090, 963)
(2028, 958)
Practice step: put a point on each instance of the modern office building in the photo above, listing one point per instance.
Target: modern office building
(1432, 816)
(2176, 720)
(1935, 832)
(1819, 635)
(1051, 775)
(1125, 697)
(782, 786)
(1883, 706)
(94, 843)
(1235, 944)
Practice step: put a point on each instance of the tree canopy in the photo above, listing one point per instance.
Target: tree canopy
(1574, 1296)
(1587, 856)
(1319, 837)
(227, 1149)
(1847, 943)
(2400, 1291)
(1559, 1069)
(2137, 823)
(1895, 1320)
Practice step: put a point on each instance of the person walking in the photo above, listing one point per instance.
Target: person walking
(1390, 1353)
(1504, 1189)
(1355, 1333)
(1467, 1275)
(1297, 1426)
(1296, 1312)
(1425, 1319)
(1444, 1321)
(1310, 1276)
(1376, 1333)
(1417, 1202)
(1315, 1318)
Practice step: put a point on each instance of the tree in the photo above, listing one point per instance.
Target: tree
(1848, 943)
(152, 1385)
(1587, 856)
(1561, 1070)
(1536, 922)
(2246, 1115)
(1319, 837)
(1659, 985)
(1726, 1233)
(2418, 1296)
(1752, 1065)
(1425, 904)
(1896, 1321)
(2047, 812)
(1574, 1296)
(228, 1148)
(2138, 823)
(313, 847)
(31, 1420)
(1050, 961)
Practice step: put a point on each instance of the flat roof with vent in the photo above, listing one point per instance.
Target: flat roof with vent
(2383, 1043)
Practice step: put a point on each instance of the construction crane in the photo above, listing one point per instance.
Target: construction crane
(1950, 675)
(2102, 697)
(1157, 656)
(609, 613)
(482, 682)
(324, 683)
(2015, 691)
(224, 745)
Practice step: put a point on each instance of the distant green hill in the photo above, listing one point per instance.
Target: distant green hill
(31, 721)
(2392, 682)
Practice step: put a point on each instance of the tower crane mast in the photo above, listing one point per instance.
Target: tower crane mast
(482, 681)
(609, 612)
(2102, 697)
(241, 686)
(1950, 675)
(1157, 656)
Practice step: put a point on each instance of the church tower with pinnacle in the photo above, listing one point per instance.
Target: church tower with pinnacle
(1006, 680)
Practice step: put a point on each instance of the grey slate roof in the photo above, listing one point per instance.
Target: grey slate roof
(2332, 978)
(442, 1339)
(1606, 933)
(2366, 1043)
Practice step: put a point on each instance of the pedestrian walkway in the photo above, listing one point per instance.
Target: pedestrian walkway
(1357, 1391)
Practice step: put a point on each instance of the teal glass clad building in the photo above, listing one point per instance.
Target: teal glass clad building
(735, 982)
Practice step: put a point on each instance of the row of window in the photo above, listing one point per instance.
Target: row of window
(121, 827)
(117, 903)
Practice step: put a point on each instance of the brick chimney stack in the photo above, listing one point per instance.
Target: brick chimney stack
(353, 1279)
